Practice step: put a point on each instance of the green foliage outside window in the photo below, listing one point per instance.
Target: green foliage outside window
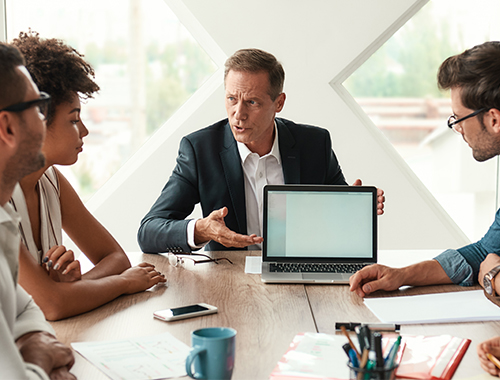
(406, 65)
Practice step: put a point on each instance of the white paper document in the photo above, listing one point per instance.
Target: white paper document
(464, 306)
(253, 264)
(153, 357)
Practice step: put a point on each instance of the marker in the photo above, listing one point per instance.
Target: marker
(494, 360)
(353, 358)
(350, 326)
(367, 336)
(371, 361)
(346, 347)
(370, 364)
(361, 338)
(377, 347)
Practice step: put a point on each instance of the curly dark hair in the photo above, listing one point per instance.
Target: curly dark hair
(57, 69)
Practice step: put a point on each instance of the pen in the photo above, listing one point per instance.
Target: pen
(350, 326)
(350, 341)
(364, 359)
(494, 360)
(391, 356)
(362, 364)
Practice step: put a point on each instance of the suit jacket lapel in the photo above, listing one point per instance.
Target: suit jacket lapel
(231, 163)
(290, 155)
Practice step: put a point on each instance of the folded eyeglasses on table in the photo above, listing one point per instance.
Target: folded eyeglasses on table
(178, 258)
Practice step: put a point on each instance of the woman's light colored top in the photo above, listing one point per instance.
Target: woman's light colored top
(50, 214)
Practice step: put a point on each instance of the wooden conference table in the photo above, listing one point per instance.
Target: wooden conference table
(266, 317)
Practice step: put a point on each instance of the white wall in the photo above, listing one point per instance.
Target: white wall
(320, 43)
(3, 26)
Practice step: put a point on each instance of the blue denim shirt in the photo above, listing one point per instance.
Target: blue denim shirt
(462, 265)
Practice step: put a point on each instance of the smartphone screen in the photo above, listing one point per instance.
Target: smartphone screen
(187, 309)
(183, 312)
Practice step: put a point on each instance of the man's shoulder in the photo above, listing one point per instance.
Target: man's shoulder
(302, 129)
(215, 130)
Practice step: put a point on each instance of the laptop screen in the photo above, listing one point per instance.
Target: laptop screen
(321, 222)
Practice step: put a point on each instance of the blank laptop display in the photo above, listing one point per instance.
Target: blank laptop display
(316, 233)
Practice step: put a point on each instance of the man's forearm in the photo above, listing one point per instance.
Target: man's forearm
(428, 272)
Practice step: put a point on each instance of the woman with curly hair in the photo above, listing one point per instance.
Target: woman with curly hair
(48, 203)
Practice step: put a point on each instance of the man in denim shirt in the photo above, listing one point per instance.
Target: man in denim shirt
(474, 80)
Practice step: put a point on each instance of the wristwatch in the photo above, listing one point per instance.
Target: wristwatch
(489, 280)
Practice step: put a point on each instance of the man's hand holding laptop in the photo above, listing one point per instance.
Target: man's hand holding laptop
(380, 197)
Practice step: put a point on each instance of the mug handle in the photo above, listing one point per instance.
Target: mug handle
(189, 361)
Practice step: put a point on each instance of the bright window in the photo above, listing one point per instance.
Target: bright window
(146, 62)
(397, 88)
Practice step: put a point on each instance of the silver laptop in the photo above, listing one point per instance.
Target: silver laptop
(318, 233)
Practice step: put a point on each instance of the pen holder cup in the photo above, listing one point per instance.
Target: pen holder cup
(372, 374)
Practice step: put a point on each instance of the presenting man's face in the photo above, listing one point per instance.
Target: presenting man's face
(251, 110)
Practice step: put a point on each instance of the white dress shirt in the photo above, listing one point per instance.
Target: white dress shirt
(258, 172)
(18, 312)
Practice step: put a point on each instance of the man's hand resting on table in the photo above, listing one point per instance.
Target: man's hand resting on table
(44, 350)
(380, 277)
(376, 277)
(214, 228)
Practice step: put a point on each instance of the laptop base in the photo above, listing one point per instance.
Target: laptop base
(303, 278)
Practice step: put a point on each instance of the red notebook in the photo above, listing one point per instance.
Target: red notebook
(431, 357)
(313, 356)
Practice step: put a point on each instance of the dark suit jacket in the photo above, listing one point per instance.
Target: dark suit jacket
(209, 171)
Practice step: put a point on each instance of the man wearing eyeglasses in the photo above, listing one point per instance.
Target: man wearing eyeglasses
(474, 80)
(28, 348)
(226, 165)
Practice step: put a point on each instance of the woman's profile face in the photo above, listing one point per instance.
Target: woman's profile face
(64, 139)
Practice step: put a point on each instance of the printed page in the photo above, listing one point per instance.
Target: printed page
(153, 357)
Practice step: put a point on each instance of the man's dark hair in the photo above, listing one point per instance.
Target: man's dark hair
(12, 86)
(477, 72)
(57, 69)
(255, 60)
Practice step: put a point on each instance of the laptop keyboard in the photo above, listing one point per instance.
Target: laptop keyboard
(315, 267)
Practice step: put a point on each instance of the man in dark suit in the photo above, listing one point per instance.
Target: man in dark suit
(225, 166)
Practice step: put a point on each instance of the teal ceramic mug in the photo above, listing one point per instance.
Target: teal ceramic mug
(212, 353)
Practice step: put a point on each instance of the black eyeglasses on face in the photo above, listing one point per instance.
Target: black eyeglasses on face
(453, 122)
(42, 103)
